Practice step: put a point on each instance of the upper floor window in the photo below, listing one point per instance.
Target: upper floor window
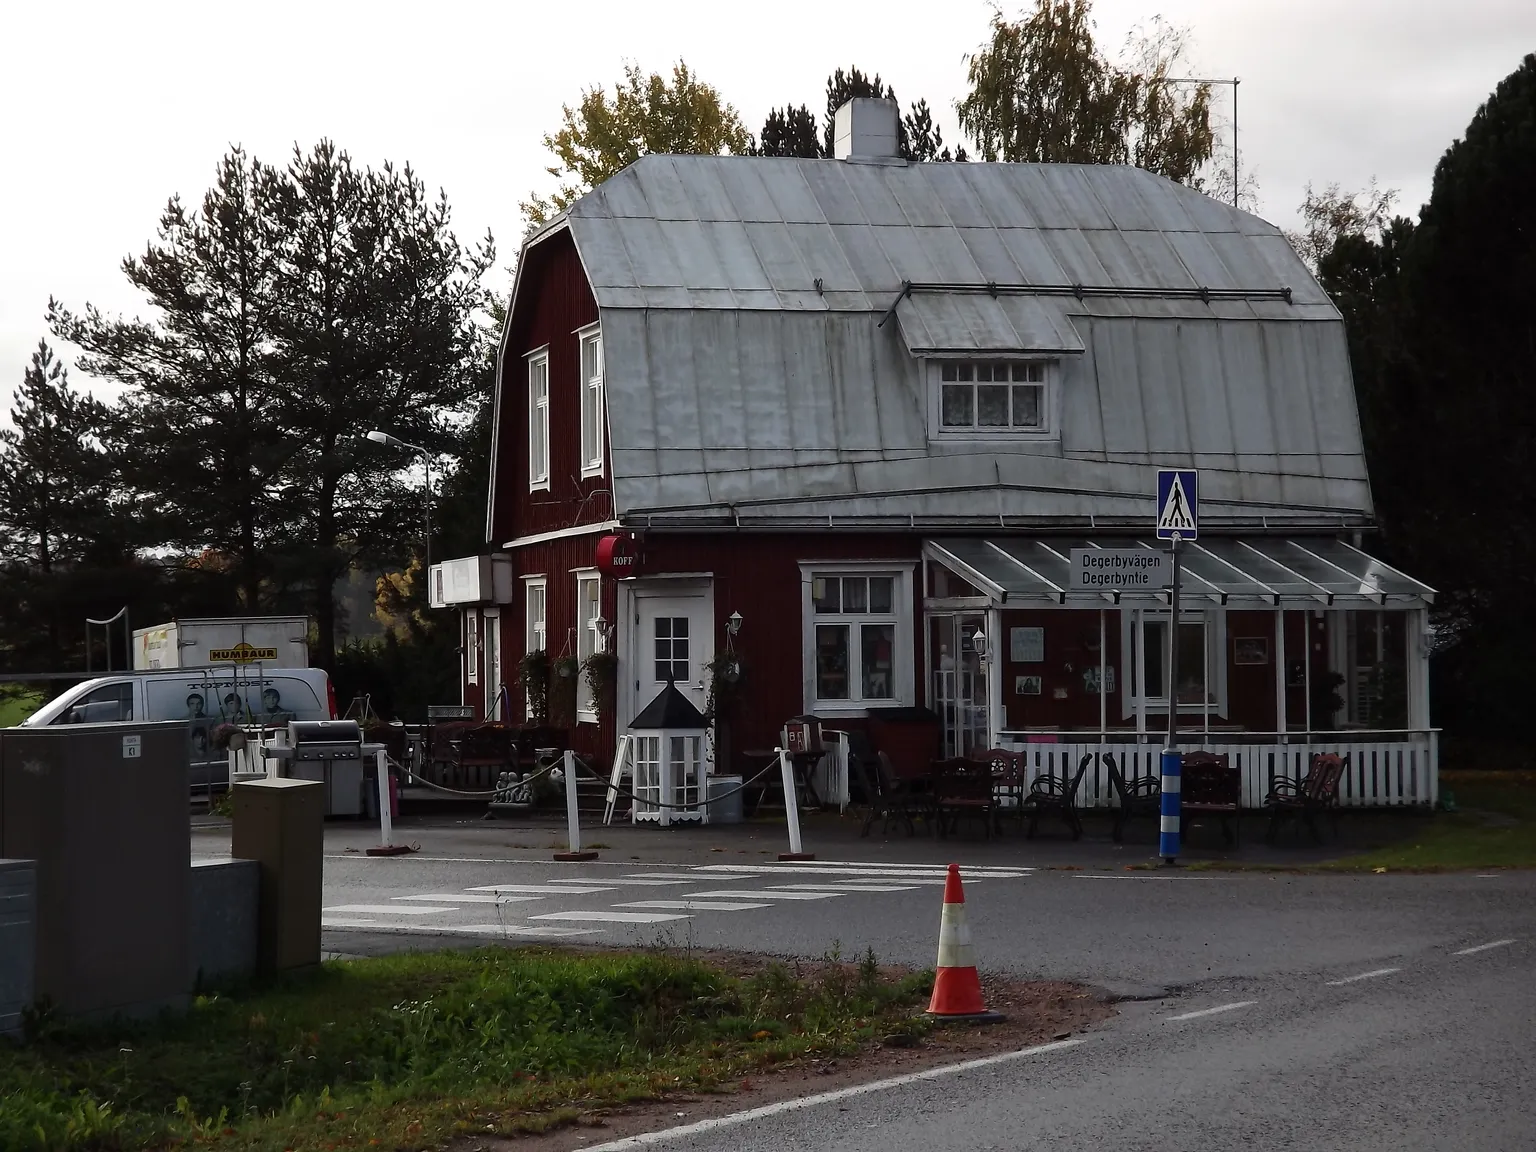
(993, 397)
(589, 638)
(538, 421)
(591, 402)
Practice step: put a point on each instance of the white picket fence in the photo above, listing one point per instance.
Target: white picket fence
(1379, 773)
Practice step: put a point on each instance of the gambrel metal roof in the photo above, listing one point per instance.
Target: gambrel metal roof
(766, 323)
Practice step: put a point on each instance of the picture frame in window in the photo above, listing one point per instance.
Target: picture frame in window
(1029, 685)
(1250, 651)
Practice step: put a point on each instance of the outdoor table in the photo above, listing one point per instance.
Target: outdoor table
(803, 765)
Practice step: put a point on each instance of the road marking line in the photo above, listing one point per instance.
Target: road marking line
(531, 930)
(596, 917)
(845, 887)
(872, 866)
(694, 905)
(1482, 947)
(636, 881)
(470, 898)
(700, 1127)
(347, 922)
(1363, 976)
(741, 895)
(725, 871)
(1213, 1011)
(1091, 876)
(541, 889)
(388, 909)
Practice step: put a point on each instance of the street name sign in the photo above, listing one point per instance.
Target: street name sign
(1119, 570)
(1178, 509)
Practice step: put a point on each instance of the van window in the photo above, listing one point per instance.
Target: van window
(109, 704)
(206, 699)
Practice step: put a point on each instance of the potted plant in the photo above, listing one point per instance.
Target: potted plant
(601, 670)
(533, 673)
(562, 692)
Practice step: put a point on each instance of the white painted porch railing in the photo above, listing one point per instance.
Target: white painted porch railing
(1382, 772)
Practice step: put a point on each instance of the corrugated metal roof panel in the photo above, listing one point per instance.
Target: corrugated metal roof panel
(970, 322)
(720, 342)
(1274, 571)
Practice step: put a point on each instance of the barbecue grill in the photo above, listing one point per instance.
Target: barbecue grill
(330, 751)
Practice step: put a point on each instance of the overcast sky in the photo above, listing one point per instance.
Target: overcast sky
(107, 108)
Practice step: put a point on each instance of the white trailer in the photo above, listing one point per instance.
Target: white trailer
(268, 641)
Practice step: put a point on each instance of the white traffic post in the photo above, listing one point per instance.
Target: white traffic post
(387, 845)
(572, 819)
(791, 810)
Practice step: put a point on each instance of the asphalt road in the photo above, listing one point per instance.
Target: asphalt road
(1436, 1055)
(1348, 1021)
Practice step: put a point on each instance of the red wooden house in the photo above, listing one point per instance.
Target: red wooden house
(839, 417)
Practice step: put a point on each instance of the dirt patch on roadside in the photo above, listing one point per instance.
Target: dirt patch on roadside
(1037, 1012)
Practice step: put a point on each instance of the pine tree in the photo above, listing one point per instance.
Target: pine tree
(790, 131)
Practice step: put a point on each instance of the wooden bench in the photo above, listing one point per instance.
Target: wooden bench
(1315, 794)
(1142, 796)
(1212, 786)
(1059, 795)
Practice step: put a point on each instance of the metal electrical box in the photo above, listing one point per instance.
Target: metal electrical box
(280, 824)
(102, 810)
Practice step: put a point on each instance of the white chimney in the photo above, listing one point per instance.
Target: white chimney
(866, 129)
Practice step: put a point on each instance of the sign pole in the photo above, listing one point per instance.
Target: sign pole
(1171, 793)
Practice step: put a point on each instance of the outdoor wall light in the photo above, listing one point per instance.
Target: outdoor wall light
(979, 642)
(733, 623)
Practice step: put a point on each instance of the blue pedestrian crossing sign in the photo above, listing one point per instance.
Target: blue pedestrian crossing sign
(1178, 510)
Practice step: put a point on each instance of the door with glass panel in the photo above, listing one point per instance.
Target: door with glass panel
(957, 682)
(671, 640)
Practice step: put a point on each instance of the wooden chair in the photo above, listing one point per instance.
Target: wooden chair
(890, 798)
(1315, 794)
(963, 787)
(1212, 785)
(1142, 796)
(1008, 773)
(1056, 794)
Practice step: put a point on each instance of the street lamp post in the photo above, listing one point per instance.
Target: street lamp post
(426, 461)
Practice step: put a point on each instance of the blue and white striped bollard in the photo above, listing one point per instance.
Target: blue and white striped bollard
(1168, 841)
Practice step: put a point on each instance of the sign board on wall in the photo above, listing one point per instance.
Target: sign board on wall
(1119, 569)
(1026, 645)
(618, 556)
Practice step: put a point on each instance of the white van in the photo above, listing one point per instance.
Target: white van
(203, 697)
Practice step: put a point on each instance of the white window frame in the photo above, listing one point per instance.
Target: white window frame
(588, 638)
(472, 645)
(904, 688)
(1049, 401)
(538, 420)
(535, 627)
(593, 414)
(1215, 659)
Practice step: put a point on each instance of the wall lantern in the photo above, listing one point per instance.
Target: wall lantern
(733, 624)
(979, 642)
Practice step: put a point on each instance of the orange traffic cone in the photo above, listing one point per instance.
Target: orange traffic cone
(956, 985)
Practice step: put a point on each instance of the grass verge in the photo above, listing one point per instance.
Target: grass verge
(16, 704)
(1494, 826)
(408, 1051)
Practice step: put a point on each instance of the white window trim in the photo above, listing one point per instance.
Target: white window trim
(471, 646)
(529, 584)
(1215, 655)
(538, 482)
(593, 465)
(588, 640)
(905, 684)
(1050, 399)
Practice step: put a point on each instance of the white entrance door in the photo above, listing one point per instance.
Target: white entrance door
(495, 709)
(671, 637)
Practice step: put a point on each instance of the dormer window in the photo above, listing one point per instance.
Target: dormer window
(985, 398)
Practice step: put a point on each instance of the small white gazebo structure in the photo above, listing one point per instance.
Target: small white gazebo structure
(667, 744)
